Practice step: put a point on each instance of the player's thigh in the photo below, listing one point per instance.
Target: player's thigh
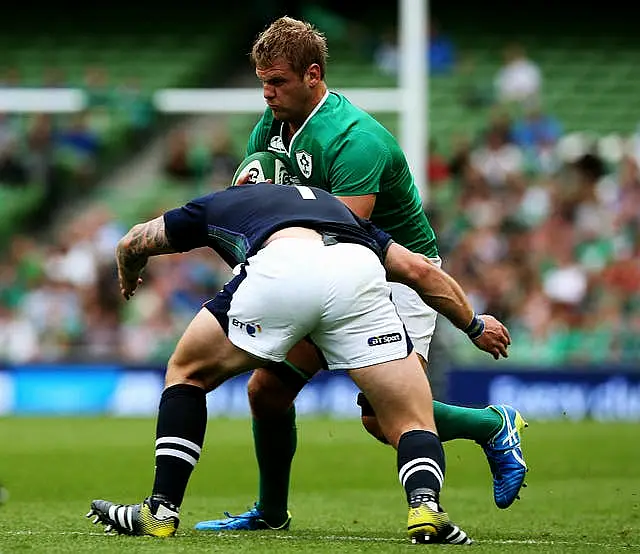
(360, 326)
(204, 355)
(305, 357)
(400, 394)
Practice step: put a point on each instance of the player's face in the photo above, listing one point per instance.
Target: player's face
(289, 97)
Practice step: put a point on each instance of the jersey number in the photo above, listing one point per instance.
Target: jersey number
(306, 192)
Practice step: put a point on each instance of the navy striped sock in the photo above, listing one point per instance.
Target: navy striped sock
(182, 420)
(420, 462)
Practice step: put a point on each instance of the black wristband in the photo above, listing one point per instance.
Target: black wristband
(475, 328)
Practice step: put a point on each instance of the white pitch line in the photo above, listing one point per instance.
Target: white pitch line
(62, 533)
(346, 538)
(487, 541)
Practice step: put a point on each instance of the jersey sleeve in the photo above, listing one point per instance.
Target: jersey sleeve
(186, 227)
(359, 165)
(381, 238)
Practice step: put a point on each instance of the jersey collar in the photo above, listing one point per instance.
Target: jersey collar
(313, 112)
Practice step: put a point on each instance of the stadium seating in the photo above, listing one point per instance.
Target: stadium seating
(587, 85)
(119, 72)
(590, 85)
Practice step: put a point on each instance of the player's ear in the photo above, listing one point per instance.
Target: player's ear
(313, 75)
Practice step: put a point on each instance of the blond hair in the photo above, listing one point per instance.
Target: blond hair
(297, 42)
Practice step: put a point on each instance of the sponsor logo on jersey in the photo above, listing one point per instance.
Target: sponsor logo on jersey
(276, 145)
(305, 162)
(250, 328)
(384, 339)
(281, 174)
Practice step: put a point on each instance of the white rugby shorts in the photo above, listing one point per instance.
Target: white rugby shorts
(418, 318)
(336, 295)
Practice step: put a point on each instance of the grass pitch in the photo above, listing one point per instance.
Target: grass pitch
(583, 494)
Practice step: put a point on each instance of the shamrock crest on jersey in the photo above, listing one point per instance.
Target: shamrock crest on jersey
(305, 163)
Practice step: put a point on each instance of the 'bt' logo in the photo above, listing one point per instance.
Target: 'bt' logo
(250, 328)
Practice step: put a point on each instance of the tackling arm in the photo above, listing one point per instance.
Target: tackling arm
(134, 249)
(444, 294)
(436, 287)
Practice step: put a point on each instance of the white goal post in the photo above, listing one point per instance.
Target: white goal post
(42, 100)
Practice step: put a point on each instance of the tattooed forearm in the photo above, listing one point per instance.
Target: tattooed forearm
(143, 240)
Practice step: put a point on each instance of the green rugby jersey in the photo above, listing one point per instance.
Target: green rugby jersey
(342, 149)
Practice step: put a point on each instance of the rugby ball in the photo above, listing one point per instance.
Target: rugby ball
(263, 166)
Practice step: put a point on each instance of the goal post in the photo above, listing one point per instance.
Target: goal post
(42, 100)
(250, 100)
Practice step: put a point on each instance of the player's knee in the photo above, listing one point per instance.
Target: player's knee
(371, 424)
(394, 428)
(182, 371)
(269, 396)
(369, 420)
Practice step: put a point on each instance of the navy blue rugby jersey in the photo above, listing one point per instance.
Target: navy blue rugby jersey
(236, 221)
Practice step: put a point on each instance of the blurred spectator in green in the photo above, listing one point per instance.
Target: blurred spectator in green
(136, 110)
(180, 162)
(473, 89)
(224, 160)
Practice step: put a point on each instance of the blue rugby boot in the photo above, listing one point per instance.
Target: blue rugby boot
(504, 454)
(253, 520)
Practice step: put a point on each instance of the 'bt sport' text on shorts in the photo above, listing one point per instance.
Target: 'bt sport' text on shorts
(336, 294)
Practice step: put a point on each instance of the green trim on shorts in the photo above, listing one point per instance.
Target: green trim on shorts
(289, 374)
(297, 371)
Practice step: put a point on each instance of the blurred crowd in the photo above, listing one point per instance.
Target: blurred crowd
(550, 244)
(541, 228)
(61, 154)
(58, 288)
(59, 299)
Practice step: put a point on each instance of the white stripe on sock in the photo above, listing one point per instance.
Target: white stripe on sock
(177, 454)
(438, 469)
(182, 442)
(423, 467)
(406, 467)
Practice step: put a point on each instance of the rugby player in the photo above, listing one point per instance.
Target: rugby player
(329, 143)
